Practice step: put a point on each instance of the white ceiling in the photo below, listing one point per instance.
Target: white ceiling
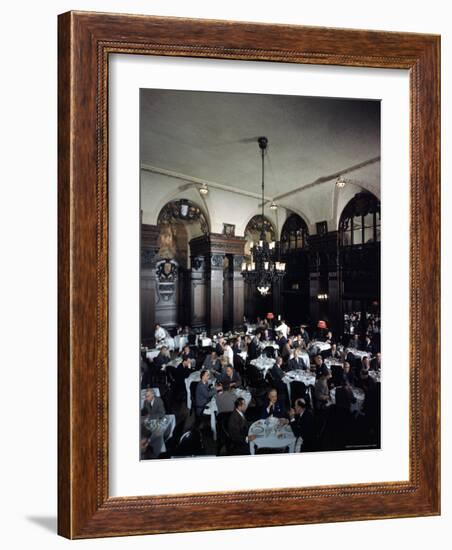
(213, 137)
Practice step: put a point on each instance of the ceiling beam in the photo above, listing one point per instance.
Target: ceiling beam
(194, 181)
(328, 177)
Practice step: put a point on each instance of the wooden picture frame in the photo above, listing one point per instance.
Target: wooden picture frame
(86, 40)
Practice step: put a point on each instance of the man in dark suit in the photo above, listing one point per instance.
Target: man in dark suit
(236, 345)
(304, 334)
(219, 348)
(368, 345)
(180, 373)
(348, 376)
(375, 363)
(253, 347)
(303, 425)
(320, 367)
(153, 406)
(335, 354)
(230, 378)
(344, 397)
(238, 429)
(162, 358)
(277, 370)
(203, 393)
(273, 407)
(212, 362)
(296, 362)
(281, 340)
(187, 353)
(337, 373)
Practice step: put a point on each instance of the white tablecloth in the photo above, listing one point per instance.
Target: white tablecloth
(263, 363)
(265, 344)
(180, 342)
(317, 347)
(330, 362)
(270, 434)
(194, 377)
(376, 375)
(211, 408)
(169, 342)
(161, 430)
(355, 407)
(359, 353)
(150, 354)
(307, 377)
(205, 342)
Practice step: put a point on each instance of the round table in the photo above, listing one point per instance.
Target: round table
(263, 363)
(268, 344)
(299, 375)
(152, 353)
(204, 342)
(180, 342)
(161, 430)
(359, 353)
(271, 435)
(317, 347)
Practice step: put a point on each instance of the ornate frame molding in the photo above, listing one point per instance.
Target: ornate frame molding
(85, 42)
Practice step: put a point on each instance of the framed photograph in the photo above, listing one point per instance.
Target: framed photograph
(248, 275)
(228, 228)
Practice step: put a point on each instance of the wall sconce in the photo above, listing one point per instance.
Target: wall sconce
(322, 297)
(341, 182)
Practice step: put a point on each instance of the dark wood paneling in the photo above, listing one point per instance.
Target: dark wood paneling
(85, 41)
(216, 243)
(238, 300)
(215, 299)
(147, 306)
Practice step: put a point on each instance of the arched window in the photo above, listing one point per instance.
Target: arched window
(360, 221)
(294, 235)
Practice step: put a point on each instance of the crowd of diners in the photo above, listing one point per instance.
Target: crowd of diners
(228, 365)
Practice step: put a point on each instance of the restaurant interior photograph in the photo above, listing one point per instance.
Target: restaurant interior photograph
(259, 274)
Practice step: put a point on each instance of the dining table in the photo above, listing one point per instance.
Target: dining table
(271, 433)
(317, 346)
(161, 429)
(358, 353)
(298, 375)
(264, 364)
(180, 341)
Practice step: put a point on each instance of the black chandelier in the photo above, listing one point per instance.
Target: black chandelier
(264, 267)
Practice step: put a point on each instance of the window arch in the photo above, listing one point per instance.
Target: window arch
(294, 235)
(183, 210)
(360, 221)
